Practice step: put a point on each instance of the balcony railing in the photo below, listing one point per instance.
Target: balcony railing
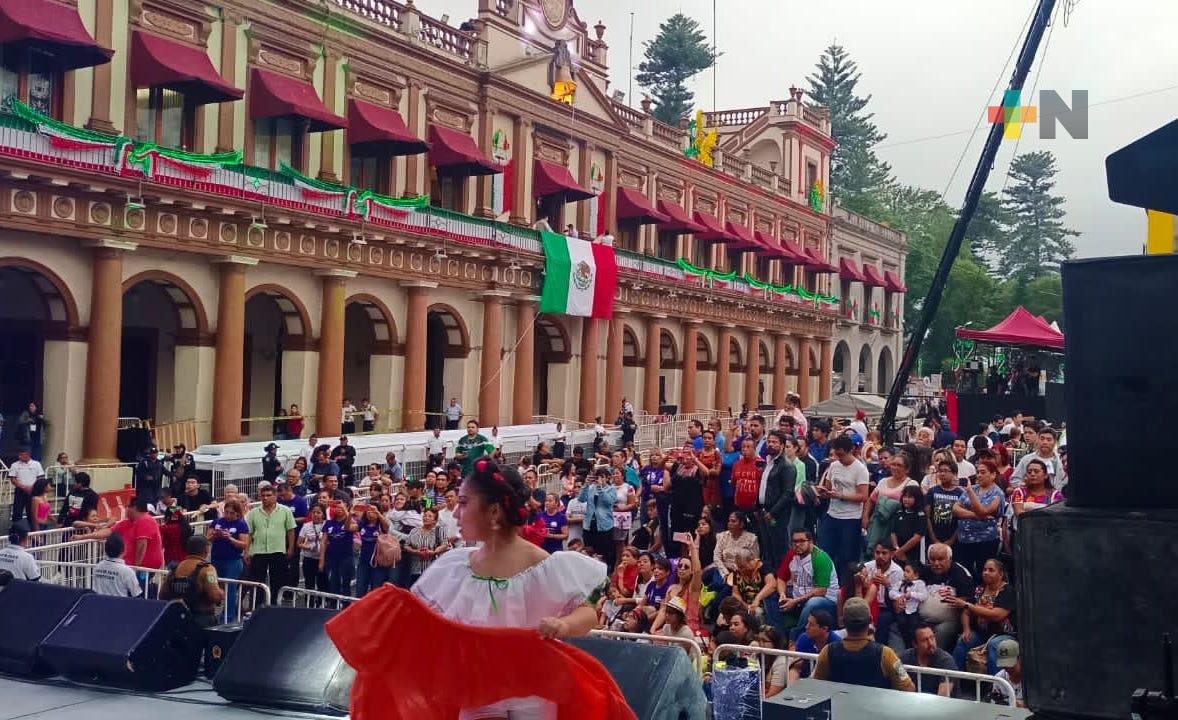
(763, 177)
(379, 11)
(729, 118)
(866, 225)
(447, 39)
(734, 165)
(263, 188)
(668, 135)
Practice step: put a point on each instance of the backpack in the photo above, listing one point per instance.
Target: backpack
(388, 551)
(187, 588)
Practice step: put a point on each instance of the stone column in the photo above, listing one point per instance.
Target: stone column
(780, 353)
(104, 352)
(589, 342)
(100, 119)
(804, 369)
(523, 390)
(613, 366)
(228, 71)
(650, 381)
(329, 395)
(690, 360)
(610, 193)
(492, 356)
(415, 165)
(413, 401)
(522, 202)
(723, 346)
(752, 373)
(327, 139)
(483, 184)
(229, 367)
(825, 369)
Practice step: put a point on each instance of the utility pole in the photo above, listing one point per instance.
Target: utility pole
(630, 88)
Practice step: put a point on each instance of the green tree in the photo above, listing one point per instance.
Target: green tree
(857, 176)
(1042, 296)
(677, 53)
(1037, 240)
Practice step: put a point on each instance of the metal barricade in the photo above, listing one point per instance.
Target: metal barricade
(81, 575)
(242, 597)
(916, 670)
(52, 536)
(75, 551)
(691, 646)
(302, 597)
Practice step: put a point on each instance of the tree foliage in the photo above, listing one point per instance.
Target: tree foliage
(675, 55)
(1037, 240)
(857, 176)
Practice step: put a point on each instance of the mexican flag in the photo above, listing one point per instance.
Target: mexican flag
(580, 277)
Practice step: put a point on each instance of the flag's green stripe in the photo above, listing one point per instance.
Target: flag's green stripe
(557, 267)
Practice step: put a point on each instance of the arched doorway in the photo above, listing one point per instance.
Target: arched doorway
(446, 345)
(551, 348)
(161, 316)
(843, 369)
(275, 370)
(632, 374)
(884, 371)
(668, 361)
(369, 334)
(863, 383)
(36, 309)
(736, 370)
(765, 358)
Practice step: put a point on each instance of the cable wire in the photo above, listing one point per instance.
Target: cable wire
(1034, 86)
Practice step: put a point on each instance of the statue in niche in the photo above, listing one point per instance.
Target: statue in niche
(560, 74)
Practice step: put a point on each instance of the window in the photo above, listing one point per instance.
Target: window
(370, 172)
(449, 191)
(551, 208)
(811, 175)
(668, 245)
(279, 140)
(628, 234)
(734, 258)
(28, 74)
(763, 269)
(162, 117)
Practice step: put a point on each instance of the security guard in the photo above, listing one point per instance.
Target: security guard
(194, 582)
(859, 660)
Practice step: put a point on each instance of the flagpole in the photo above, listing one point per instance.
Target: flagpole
(630, 87)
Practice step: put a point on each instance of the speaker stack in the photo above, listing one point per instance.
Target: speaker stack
(29, 613)
(657, 682)
(1096, 575)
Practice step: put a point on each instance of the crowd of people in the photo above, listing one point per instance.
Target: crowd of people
(776, 531)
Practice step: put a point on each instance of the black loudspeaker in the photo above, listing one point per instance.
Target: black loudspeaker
(127, 643)
(283, 658)
(788, 705)
(658, 683)
(1096, 593)
(1121, 389)
(218, 641)
(29, 612)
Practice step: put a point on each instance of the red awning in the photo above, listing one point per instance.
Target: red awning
(275, 95)
(768, 246)
(893, 282)
(713, 229)
(633, 205)
(817, 263)
(794, 255)
(551, 179)
(456, 153)
(1019, 328)
(680, 221)
(54, 27)
(739, 237)
(159, 62)
(381, 128)
(849, 270)
(871, 276)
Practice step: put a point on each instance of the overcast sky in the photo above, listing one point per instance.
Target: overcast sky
(929, 65)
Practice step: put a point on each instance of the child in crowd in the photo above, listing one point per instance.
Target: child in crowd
(912, 593)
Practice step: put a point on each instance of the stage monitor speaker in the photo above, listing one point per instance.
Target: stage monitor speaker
(284, 659)
(126, 643)
(658, 683)
(1096, 589)
(218, 641)
(29, 612)
(1121, 390)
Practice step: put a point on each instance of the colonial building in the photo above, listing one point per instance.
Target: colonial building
(209, 213)
(868, 335)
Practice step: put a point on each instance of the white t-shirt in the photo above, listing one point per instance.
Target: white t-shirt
(1000, 693)
(846, 479)
(26, 473)
(113, 577)
(453, 412)
(894, 574)
(306, 452)
(369, 412)
(801, 577)
(860, 427)
(313, 534)
(966, 470)
(18, 561)
(448, 522)
(436, 446)
(575, 510)
(347, 413)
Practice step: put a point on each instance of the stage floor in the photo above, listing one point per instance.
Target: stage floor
(55, 698)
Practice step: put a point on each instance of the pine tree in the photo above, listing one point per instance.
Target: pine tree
(1037, 240)
(857, 176)
(677, 53)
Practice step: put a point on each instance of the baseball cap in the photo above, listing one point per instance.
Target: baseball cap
(1007, 653)
(271, 446)
(857, 615)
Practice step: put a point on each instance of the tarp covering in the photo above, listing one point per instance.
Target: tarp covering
(1019, 328)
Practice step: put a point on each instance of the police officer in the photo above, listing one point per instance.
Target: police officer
(271, 465)
(858, 659)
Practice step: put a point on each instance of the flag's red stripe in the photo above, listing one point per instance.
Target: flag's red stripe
(607, 281)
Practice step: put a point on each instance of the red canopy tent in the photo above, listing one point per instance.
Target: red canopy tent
(1019, 328)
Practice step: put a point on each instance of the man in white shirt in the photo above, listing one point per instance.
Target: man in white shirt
(859, 425)
(846, 485)
(112, 576)
(887, 576)
(435, 448)
(453, 414)
(627, 406)
(965, 469)
(495, 440)
(370, 414)
(23, 474)
(348, 417)
(446, 519)
(307, 452)
(1045, 452)
(16, 559)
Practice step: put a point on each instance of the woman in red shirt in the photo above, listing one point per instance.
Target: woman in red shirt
(709, 458)
(746, 476)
